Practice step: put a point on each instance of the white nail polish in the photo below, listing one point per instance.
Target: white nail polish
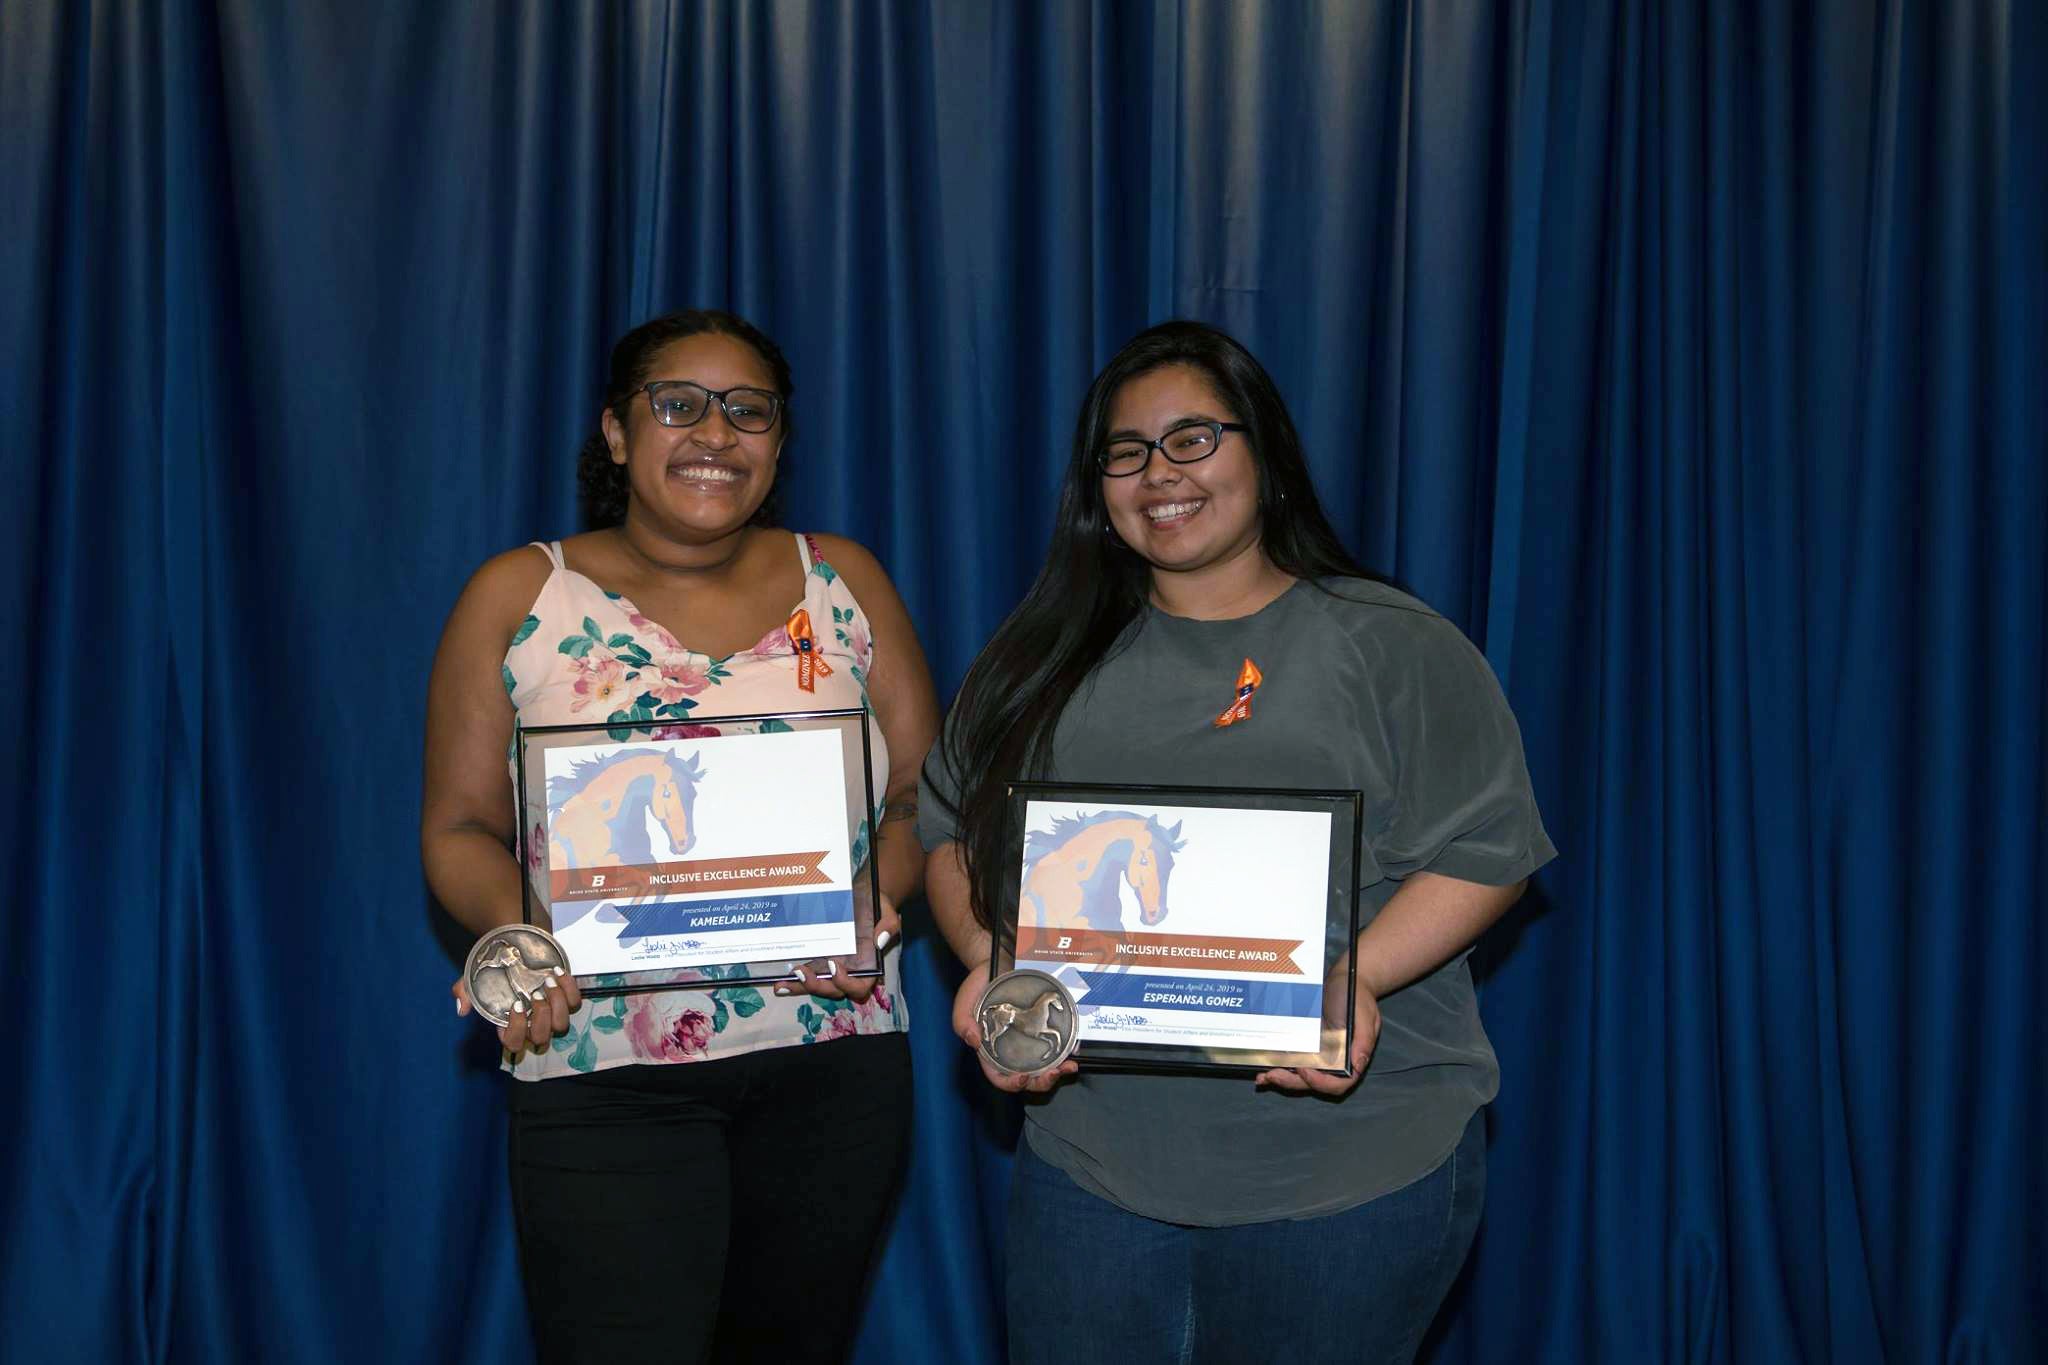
(831, 968)
(519, 1007)
(882, 940)
(782, 990)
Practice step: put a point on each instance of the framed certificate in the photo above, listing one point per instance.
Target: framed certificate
(727, 850)
(1191, 928)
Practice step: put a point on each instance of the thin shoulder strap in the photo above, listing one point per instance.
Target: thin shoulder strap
(807, 550)
(552, 549)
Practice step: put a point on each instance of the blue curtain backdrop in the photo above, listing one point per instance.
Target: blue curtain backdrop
(1687, 354)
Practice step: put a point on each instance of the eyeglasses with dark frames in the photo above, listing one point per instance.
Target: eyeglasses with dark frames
(1183, 444)
(680, 403)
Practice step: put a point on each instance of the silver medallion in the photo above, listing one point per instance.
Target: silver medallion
(508, 964)
(1027, 1022)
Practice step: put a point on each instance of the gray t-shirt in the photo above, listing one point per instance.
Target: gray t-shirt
(1364, 687)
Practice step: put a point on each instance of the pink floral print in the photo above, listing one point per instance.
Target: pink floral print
(678, 678)
(775, 644)
(658, 1037)
(877, 1002)
(585, 655)
(668, 642)
(682, 731)
(599, 682)
(858, 643)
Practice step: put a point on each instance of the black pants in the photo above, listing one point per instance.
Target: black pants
(723, 1210)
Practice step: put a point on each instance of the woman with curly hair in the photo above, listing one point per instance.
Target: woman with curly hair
(686, 1170)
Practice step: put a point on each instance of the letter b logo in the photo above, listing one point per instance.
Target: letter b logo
(597, 881)
(1066, 940)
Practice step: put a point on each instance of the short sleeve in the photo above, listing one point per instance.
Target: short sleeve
(1461, 804)
(938, 797)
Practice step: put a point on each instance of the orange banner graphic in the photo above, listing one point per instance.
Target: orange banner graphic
(1101, 947)
(759, 873)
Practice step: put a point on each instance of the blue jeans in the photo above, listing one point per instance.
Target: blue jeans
(1091, 1282)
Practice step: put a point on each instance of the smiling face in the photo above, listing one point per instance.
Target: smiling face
(704, 481)
(1182, 517)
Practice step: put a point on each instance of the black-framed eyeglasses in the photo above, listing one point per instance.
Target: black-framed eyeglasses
(680, 403)
(1184, 444)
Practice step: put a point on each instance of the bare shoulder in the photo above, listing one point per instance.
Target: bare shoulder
(595, 553)
(466, 686)
(502, 590)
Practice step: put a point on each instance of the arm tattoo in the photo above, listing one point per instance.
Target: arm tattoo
(904, 809)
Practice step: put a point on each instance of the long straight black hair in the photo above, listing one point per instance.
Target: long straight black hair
(1093, 587)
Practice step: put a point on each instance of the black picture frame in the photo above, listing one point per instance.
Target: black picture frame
(1344, 810)
(854, 723)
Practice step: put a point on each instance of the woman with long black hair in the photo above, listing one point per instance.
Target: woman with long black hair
(1297, 1216)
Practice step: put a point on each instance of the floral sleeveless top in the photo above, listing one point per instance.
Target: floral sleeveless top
(585, 655)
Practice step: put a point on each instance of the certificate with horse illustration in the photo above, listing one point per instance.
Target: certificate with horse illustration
(1200, 928)
(724, 851)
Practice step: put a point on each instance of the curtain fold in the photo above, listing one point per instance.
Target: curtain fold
(1685, 354)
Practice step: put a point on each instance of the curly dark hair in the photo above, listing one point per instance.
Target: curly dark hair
(604, 484)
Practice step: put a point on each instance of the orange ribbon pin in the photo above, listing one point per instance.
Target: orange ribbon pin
(808, 659)
(1248, 680)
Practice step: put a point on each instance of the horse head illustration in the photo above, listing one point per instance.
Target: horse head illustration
(1071, 871)
(673, 801)
(598, 810)
(1150, 865)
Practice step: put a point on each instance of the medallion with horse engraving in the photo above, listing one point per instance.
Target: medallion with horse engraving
(511, 964)
(1027, 1022)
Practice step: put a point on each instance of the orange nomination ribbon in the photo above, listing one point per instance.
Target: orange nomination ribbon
(1248, 680)
(808, 660)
